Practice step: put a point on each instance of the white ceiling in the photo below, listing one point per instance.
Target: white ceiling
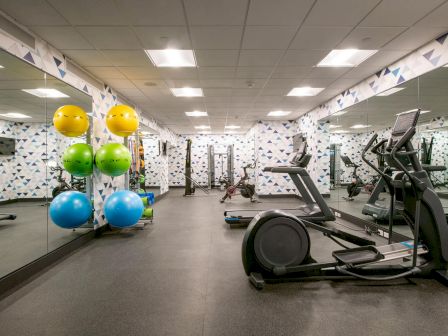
(269, 45)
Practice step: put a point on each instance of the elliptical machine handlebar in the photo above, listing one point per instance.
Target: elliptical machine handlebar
(375, 150)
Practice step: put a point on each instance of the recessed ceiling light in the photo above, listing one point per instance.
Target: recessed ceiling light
(202, 127)
(278, 113)
(229, 132)
(145, 132)
(390, 91)
(358, 126)
(232, 126)
(175, 58)
(335, 126)
(413, 110)
(339, 113)
(305, 91)
(187, 92)
(46, 93)
(2, 67)
(345, 58)
(15, 115)
(340, 131)
(196, 114)
(205, 132)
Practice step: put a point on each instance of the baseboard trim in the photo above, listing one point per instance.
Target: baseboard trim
(18, 278)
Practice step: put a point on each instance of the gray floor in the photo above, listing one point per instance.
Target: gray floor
(182, 275)
(29, 236)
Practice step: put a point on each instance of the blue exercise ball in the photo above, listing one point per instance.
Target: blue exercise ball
(123, 208)
(70, 209)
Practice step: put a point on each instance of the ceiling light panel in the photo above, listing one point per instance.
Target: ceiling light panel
(15, 115)
(187, 92)
(339, 113)
(335, 126)
(202, 127)
(232, 127)
(46, 93)
(305, 91)
(278, 113)
(345, 58)
(359, 126)
(196, 114)
(174, 58)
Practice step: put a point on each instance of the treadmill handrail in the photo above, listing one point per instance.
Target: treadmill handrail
(288, 170)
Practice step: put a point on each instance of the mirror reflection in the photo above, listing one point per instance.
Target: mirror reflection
(30, 162)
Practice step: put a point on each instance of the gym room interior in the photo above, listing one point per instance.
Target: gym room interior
(223, 167)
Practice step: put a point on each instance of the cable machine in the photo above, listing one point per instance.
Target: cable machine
(228, 156)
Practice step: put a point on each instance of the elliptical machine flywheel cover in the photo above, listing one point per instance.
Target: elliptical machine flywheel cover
(274, 239)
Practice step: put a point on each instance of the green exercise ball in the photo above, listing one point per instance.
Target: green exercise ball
(113, 159)
(78, 160)
(148, 212)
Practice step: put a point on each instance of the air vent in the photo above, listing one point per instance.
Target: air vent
(15, 31)
(78, 71)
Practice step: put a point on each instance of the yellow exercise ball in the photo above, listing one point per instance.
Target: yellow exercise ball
(71, 120)
(122, 120)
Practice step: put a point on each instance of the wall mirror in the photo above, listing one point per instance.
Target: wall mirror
(30, 161)
(146, 149)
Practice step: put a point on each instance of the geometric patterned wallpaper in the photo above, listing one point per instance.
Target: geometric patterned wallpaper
(152, 166)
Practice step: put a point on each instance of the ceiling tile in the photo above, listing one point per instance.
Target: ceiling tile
(140, 72)
(339, 13)
(256, 72)
(87, 57)
(259, 57)
(173, 37)
(282, 83)
(291, 71)
(90, 13)
(327, 72)
(110, 37)
(150, 84)
(303, 57)
(33, 12)
(222, 37)
(62, 37)
(435, 19)
(216, 72)
(105, 72)
(154, 12)
(414, 37)
(281, 13)
(216, 12)
(319, 37)
(212, 92)
(121, 84)
(267, 37)
(127, 57)
(216, 58)
(216, 83)
(397, 13)
(184, 73)
(370, 37)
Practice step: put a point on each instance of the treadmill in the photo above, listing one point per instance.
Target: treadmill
(315, 208)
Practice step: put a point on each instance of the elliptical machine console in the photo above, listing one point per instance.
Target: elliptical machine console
(276, 246)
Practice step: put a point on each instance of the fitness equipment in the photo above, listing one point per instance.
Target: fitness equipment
(71, 120)
(246, 189)
(76, 184)
(122, 120)
(70, 209)
(4, 216)
(354, 188)
(276, 246)
(113, 159)
(315, 208)
(211, 154)
(426, 158)
(335, 168)
(190, 183)
(78, 160)
(123, 209)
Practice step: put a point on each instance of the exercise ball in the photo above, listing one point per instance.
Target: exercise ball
(71, 120)
(148, 213)
(70, 209)
(122, 120)
(113, 159)
(123, 208)
(78, 160)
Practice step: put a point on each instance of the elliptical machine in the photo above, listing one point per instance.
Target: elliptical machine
(247, 190)
(276, 246)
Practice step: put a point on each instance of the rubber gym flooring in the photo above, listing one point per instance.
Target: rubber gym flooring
(182, 275)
